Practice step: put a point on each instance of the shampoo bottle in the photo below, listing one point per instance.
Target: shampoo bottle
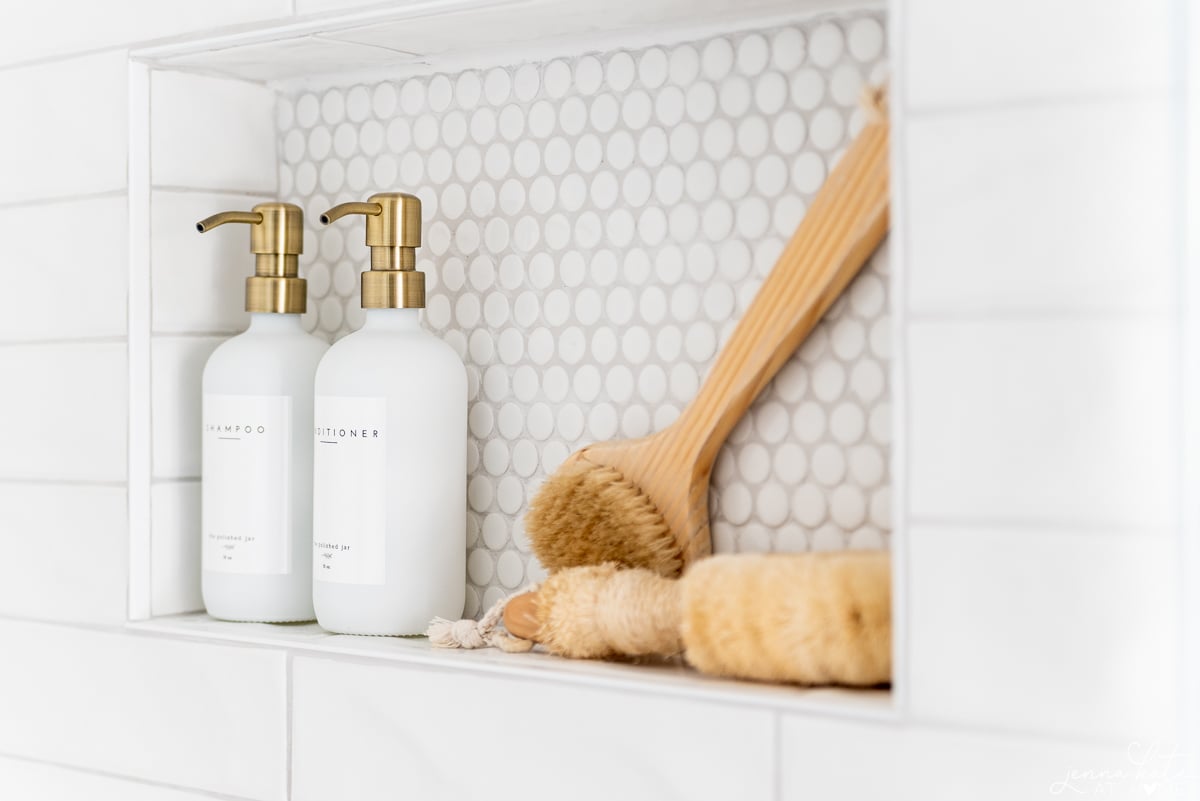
(389, 500)
(256, 473)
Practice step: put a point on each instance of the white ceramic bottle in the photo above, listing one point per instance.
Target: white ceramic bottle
(256, 487)
(390, 495)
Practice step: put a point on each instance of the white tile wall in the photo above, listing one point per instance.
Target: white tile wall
(64, 412)
(197, 280)
(1070, 633)
(206, 716)
(977, 53)
(177, 365)
(41, 30)
(78, 144)
(1051, 420)
(175, 549)
(64, 552)
(1015, 419)
(22, 780)
(1096, 235)
(844, 761)
(65, 270)
(379, 733)
(211, 133)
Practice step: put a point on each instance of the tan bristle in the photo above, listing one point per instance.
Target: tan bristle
(604, 611)
(588, 514)
(566, 611)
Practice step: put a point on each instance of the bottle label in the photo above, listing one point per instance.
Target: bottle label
(350, 490)
(245, 506)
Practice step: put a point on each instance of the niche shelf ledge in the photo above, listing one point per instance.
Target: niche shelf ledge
(662, 678)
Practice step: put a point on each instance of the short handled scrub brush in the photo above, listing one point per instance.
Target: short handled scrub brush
(644, 502)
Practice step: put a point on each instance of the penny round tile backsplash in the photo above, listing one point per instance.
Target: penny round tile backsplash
(594, 227)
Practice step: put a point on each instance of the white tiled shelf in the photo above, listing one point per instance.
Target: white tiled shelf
(658, 677)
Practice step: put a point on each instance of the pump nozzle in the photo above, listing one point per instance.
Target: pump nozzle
(342, 209)
(222, 217)
(393, 234)
(277, 240)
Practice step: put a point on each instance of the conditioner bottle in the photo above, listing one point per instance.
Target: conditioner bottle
(389, 504)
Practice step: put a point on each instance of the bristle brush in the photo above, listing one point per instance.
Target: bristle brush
(809, 618)
(644, 502)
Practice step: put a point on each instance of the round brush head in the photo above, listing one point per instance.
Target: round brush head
(589, 514)
(603, 611)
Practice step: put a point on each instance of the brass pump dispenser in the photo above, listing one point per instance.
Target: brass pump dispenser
(277, 240)
(393, 234)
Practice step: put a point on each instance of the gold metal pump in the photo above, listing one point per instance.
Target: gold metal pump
(277, 240)
(393, 234)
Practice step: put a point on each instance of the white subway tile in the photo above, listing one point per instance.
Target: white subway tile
(65, 554)
(211, 133)
(177, 365)
(71, 26)
(64, 408)
(194, 715)
(1041, 420)
(958, 53)
(1050, 207)
(66, 126)
(367, 732)
(22, 780)
(175, 548)
(57, 291)
(846, 761)
(199, 281)
(1069, 633)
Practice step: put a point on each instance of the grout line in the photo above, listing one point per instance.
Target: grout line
(1036, 527)
(155, 481)
(122, 777)
(37, 343)
(1021, 733)
(96, 628)
(62, 482)
(289, 724)
(205, 190)
(1048, 314)
(45, 61)
(1066, 101)
(777, 753)
(49, 200)
(177, 335)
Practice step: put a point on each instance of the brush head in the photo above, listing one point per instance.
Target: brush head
(602, 611)
(589, 514)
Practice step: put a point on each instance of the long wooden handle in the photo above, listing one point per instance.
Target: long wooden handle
(845, 224)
